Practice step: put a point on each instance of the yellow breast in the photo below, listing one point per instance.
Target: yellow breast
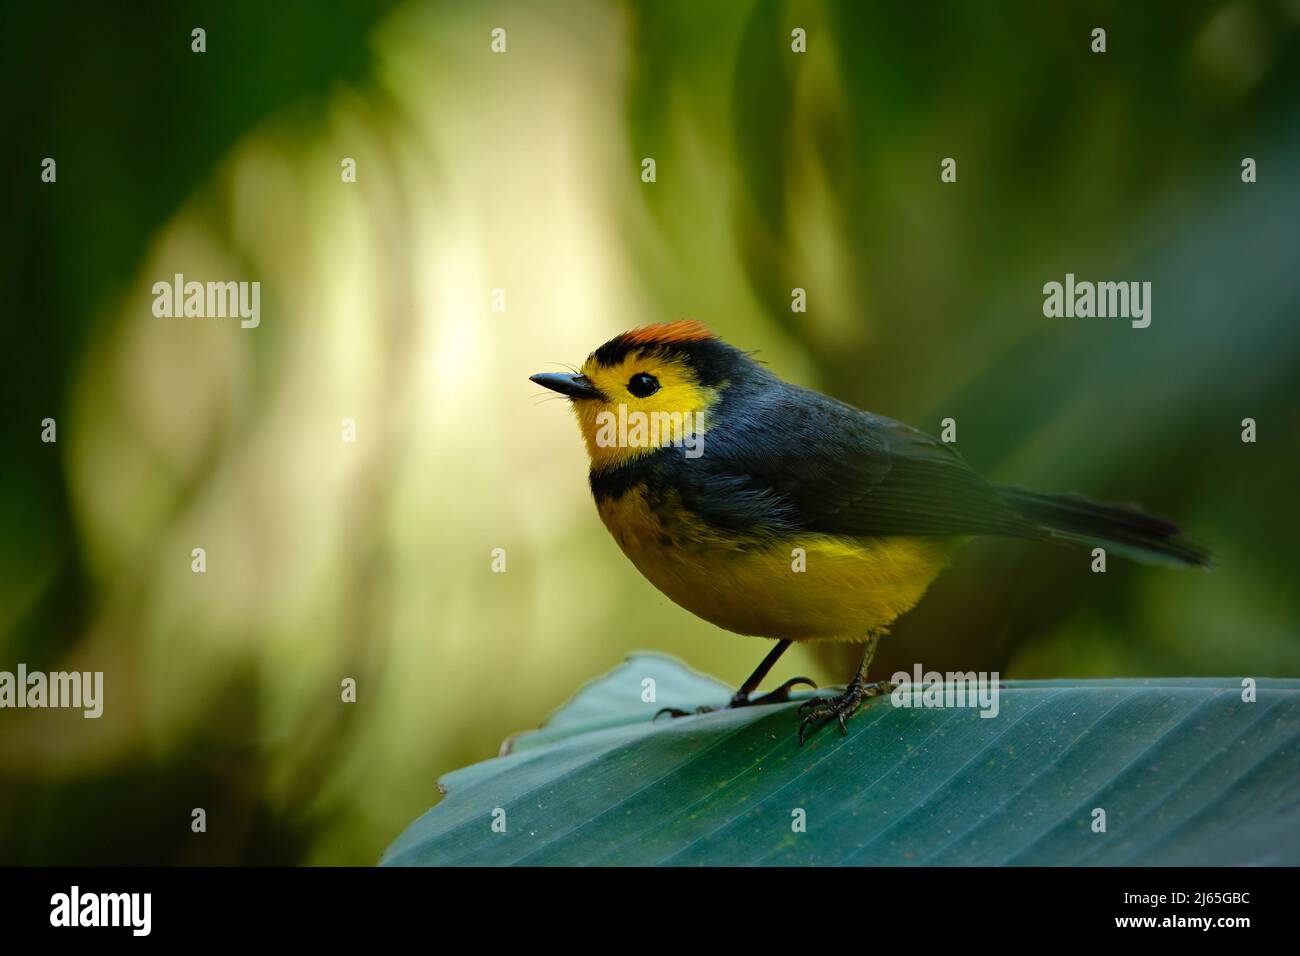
(813, 587)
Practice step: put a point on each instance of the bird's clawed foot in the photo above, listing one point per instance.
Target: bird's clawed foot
(676, 712)
(821, 710)
(778, 696)
(742, 699)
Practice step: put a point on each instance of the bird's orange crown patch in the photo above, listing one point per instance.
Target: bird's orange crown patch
(685, 336)
(667, 333)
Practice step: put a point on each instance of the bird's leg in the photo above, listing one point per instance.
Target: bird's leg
(821, 710)
(741, 697)
(779, 696)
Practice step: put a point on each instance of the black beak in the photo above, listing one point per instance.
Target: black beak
(575, 386)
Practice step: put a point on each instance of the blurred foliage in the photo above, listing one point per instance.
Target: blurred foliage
(775, 170)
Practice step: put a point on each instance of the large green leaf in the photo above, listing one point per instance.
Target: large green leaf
(1186, 772)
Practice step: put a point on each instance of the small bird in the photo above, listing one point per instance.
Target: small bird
(714, 476)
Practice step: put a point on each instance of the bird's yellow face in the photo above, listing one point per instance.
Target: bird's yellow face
(646, 401)
(640, 392)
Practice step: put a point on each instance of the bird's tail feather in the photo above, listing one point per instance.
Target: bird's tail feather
(1120, 528)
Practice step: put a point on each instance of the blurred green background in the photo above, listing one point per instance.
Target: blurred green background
(521, 171)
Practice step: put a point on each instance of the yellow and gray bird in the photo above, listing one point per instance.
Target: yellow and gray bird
(710, 472)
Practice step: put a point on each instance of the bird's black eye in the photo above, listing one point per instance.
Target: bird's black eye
(643, 385)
